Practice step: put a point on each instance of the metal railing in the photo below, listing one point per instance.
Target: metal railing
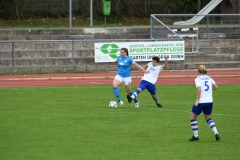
(210, 24)
(72, 47)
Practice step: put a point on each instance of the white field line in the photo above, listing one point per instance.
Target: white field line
(182, 111)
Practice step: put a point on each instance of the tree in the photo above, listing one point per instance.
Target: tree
(11, 9)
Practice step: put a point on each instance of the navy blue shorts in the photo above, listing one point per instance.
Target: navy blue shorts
(149, 86)
(206, 108)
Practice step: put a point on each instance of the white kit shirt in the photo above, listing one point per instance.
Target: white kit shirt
(206, 84)
(153, 75)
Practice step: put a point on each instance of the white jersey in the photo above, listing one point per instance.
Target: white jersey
(206, 83)
(153, 75)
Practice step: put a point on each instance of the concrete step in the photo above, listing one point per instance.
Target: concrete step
(217, 50)
(60, 61)
(106, 67)
(229, 32)
(46, 45)
(48, 37)
(211, 58)
(90, 45)
(82, 68)
(27, 32)
(77, 37)
(47, 53)
(211, 65)
(74, 31)
(122, 36)
(58, 53)
(214, 42)
(52, 59)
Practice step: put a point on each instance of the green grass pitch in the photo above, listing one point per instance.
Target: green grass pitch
(75, 122)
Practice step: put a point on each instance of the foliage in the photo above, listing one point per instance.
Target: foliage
(11, 9)
(78, 21)
(18, 9)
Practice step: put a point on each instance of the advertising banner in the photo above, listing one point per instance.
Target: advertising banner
(140, 51)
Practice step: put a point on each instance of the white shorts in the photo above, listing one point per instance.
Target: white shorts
(126, 80)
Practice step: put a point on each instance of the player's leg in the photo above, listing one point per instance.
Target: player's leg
(133, 95)
(207, 114)
(155, 98)
(128, 90)
(117, 80)
(127, 81)
(193, 121)
(152, 89)
(141, 87)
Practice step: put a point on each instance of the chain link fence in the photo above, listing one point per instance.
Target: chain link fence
(118, 7)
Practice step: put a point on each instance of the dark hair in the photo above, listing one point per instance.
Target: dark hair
(202, 69)
(155, 58)
(125, 50)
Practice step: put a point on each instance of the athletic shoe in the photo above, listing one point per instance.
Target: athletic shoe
(194, 138)
(137, 104)
(129, 98)
(120, 102)
(159, 105)
(217, 137)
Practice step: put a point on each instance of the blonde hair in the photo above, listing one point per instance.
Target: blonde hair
(202, 69)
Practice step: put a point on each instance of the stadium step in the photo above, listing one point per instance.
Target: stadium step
(89, 54)
(222, 53)
(46, 45)
(47, 53)
(113, 67)
(51, 61)
(216, 50)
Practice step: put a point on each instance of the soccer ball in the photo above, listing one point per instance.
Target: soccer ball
(113, 104)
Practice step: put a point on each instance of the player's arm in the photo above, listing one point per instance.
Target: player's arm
(215, 87)
(166, 62)
(145, 66)
(199, 90)
(140, 67)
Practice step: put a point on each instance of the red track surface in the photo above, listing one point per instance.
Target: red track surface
(166, 77)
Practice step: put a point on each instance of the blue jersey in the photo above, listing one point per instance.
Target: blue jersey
(124, 65)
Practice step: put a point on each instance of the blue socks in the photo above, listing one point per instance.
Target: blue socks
(135, 99)
(134, 94)
(116, 92)
(156, 100)
(212, 125)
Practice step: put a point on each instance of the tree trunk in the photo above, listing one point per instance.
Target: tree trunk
(199, 5)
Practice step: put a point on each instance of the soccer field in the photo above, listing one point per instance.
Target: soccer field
(75, 122)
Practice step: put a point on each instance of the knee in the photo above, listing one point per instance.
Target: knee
(207, 117)
(115, 85)
(128, 91)
(154, 96)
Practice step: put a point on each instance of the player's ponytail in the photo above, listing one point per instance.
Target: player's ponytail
(125, 50)
(202, 69)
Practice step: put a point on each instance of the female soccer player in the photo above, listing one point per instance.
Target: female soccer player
(204, 102)
(124, 74)
(149, 80)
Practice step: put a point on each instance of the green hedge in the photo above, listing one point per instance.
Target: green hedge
(18, 9)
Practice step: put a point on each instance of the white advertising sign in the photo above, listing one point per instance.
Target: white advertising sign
(140, 51)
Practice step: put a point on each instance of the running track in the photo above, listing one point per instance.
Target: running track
(230, 76)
